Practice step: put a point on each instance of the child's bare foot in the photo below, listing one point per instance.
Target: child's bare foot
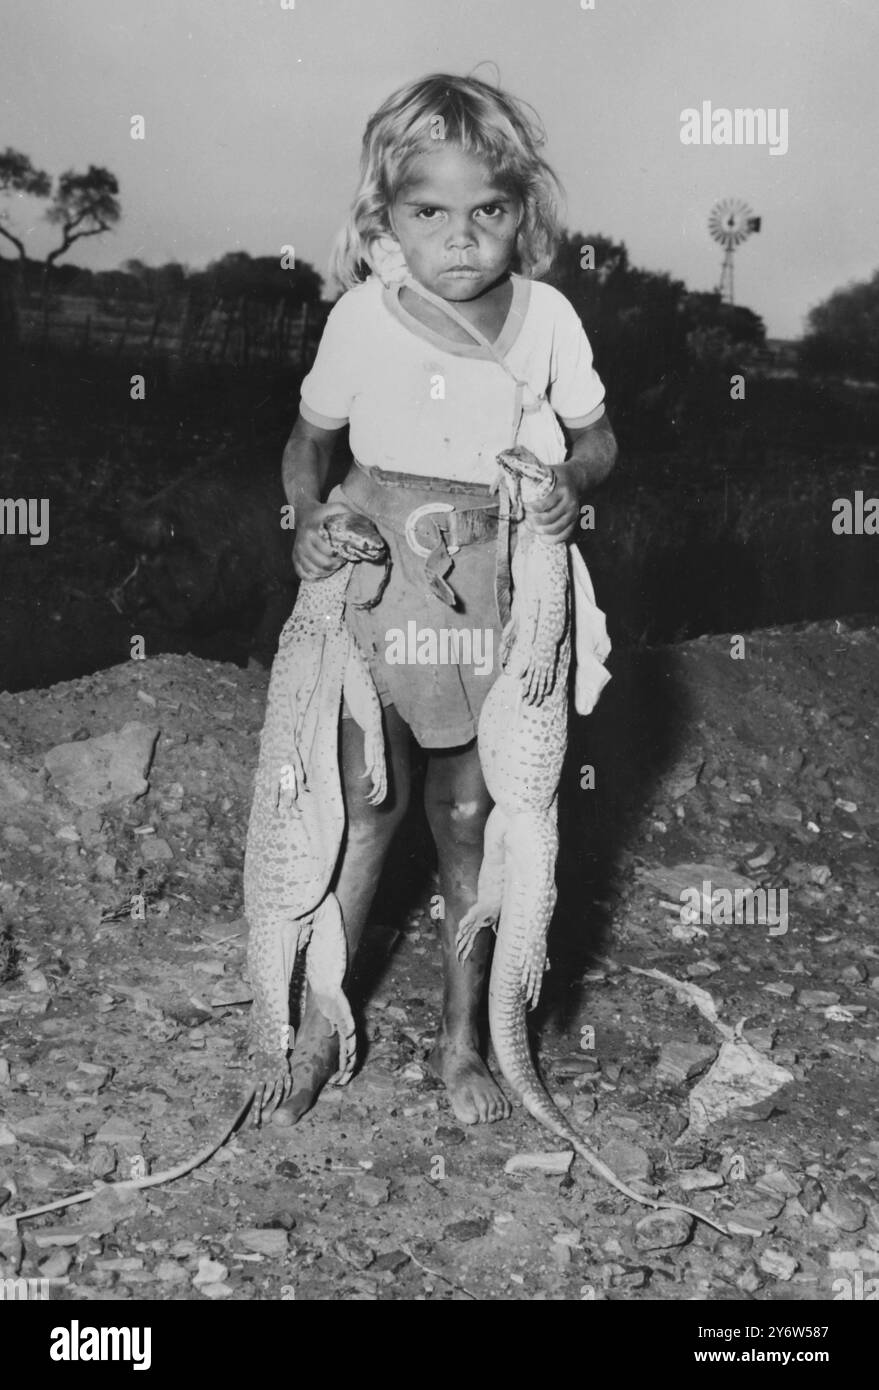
(473, 1093)
(315, 1059)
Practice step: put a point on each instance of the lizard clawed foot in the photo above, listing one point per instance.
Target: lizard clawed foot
(348, 1051)
(271, 1081)
(325, 966)
(538, 679)
(508, 639)
(336, 1010)
(533, 970)
(377, 770)
(471, 924)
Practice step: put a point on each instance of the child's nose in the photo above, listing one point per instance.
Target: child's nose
(461, 233)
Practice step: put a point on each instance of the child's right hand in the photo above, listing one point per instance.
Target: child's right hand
(313, 556)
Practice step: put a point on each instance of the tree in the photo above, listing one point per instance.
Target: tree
(18, 176)
(663, 347)
(635, 320)
(843, 332)
(84, 205)
(156, 283)
(259, 278)
(139, 269)
(738, 325)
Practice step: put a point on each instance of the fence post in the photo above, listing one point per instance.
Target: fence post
(156, 317)
(244, 354)
(124, 334)
(45, 319)
(226, 331)
(186, 335)
(197, 327)
(278, 330)
(10, 328)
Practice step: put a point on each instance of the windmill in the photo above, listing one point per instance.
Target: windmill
(730, 222)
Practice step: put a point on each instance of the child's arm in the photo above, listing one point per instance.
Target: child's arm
(305, 469)
(593, 455)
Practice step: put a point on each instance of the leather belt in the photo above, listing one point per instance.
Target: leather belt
(435, 529)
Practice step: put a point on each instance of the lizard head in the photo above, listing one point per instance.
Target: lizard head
(525, 474)
(354, 537)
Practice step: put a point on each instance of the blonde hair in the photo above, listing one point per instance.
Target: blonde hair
(479, 118)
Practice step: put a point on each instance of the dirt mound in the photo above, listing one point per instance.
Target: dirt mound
(123, 1002)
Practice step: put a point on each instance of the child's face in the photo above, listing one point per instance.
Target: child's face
(451, 213)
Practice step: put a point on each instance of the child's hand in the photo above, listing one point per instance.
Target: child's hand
(555, 517)
(313, 556)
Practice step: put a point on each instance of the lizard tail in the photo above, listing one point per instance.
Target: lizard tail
(506, 1009)
(156, 1179)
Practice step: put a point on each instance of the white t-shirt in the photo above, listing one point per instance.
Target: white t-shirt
(417, 402)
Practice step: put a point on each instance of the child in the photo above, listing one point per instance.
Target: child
(456, 211)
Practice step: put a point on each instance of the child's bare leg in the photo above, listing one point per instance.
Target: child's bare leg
(369, 834)
(457, 804)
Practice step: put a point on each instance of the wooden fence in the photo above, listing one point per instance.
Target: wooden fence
(237, 332)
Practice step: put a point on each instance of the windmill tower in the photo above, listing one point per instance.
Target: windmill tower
(730, 222)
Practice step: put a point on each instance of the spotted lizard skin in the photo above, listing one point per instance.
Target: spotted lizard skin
(522, 739)
(297, 817)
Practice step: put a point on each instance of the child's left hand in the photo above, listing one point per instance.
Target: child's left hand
(556, 517)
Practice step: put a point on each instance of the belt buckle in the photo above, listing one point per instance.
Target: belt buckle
(412, 521)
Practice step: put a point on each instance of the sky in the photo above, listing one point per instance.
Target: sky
(254, 114)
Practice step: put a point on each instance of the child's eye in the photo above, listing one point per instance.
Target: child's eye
(428, 214)
(491, 209)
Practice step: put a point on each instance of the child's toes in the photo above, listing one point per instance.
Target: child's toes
(464, 1107)
(473, 1093)
(491, 1102)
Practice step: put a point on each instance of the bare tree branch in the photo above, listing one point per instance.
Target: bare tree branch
(84, 205)
(15, 241)
(18, 176)
(69, 240)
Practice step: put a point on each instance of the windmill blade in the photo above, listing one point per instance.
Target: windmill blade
(730, 222)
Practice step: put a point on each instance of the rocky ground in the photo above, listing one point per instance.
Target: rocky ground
(731, 1067)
